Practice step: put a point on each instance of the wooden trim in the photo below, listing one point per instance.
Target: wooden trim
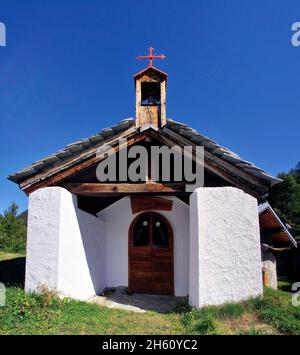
(215, 165)
(96, 189)
(213, 158)
(139, 204)
(163, 115)
(59, 173)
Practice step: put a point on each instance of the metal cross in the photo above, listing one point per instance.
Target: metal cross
(151, 56)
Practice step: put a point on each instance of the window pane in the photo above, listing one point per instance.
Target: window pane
(160, 233)
(141, 232)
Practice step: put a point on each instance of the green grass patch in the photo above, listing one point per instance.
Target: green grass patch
(209, 320)
(284, 284)
(277, 309)
(45, 313)
(10, 256)
(271, 314)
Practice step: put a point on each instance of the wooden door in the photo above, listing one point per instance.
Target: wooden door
(151, 265)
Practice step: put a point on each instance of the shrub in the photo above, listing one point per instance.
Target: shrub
(199, 321)
(206, 325)
(34, 306)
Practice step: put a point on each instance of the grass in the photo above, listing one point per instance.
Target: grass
(12, 269)
(284, 284)
(10, 256)
(47, 314)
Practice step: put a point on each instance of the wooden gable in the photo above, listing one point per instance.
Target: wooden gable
(78, 174)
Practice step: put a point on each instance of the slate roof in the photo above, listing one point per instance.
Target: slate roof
(220, 151)
(73, 149)
(70, 150)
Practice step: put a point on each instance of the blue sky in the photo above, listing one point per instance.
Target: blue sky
(66, 72)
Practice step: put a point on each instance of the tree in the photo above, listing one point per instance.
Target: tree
(296, 172)
(285, 198)
(12, 230)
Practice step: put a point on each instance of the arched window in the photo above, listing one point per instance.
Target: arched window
(141, 233)
(160, 232)
(151, 229)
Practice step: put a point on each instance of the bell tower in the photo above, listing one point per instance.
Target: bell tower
(150, 89)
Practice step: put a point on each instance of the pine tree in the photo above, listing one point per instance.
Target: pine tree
(12, 230)
(285, 198)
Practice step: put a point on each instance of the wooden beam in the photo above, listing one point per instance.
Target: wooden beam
(98, 189)
(141, 203)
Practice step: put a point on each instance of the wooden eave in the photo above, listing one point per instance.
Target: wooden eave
(55, 176)
(150, 68)
(120, 189)
(273, 230)
(218, 166)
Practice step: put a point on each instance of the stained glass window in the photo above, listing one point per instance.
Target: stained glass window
(160, 233)
(141, 235)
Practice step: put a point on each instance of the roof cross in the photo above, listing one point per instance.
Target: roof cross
(151, 56)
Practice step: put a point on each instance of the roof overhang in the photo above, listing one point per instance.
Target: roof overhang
(150, 68)
(52, 170)
(273, 227)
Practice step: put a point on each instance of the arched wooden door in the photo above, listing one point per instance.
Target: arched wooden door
(151, 260)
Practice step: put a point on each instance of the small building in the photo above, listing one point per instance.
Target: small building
(158, 236)
(275, 239)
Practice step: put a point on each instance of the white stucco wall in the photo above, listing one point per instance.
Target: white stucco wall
(82, 259)
(78, 254)
(269, 263)
(225, 259)
(65, 246)
(42, 239)
(216, 245)
(117, 219)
